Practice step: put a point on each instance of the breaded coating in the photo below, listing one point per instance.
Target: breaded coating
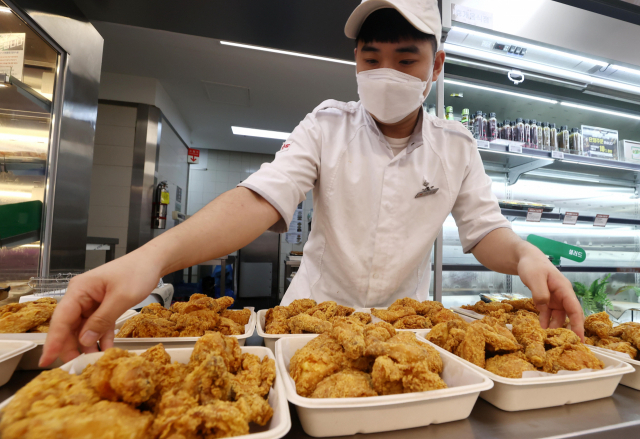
(598, 324)
(571, 357)
(254, 377)
(228, 327)
(304, 323)
(276, 320)
(299, 306)
(216, 343)
(324, 310)
(482, 307)
(448, 335)
(350, 334)
(209, 380)
(347, 383)
(343, 311)
(472, 347)
(560, 336)
(444, 315)
(25, 318)
(509, 365)
(616, 344)
(522, 304)
(381, 331)
(412, 322)
(157, 310)
(419, 307)
(391, 315)
(529, 333)
(240, 316)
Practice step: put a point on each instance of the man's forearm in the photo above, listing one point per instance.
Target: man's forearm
(228, 223)
(501, 251)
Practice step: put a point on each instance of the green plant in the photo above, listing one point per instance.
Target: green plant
(627, 288)
(594, 298)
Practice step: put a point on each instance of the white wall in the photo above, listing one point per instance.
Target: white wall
(111, 178)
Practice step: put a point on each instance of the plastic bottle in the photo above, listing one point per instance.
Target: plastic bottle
(533, 134)
(575, 142)
(449, 113)
(465, 118)
(493, 127)
(520, 136)
(553, 137)
(514, 130)
(563, 139)
(477, 125)
(485, 126)
(546, 136)
(527, 131)
(507, 130)
(540, 136)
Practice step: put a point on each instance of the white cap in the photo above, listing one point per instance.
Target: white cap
(424, 15)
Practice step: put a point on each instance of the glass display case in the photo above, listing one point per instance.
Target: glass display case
(597, 173)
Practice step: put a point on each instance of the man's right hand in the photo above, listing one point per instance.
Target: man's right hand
(93, 302)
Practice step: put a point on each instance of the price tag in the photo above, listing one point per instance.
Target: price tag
(557, 155)
(534, 215)
(570, 218)
(515, 147)
(601, 220)
(483, 144)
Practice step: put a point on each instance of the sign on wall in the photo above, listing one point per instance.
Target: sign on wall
(12, 54)
(193, 156)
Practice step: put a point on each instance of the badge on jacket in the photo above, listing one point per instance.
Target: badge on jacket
(427, 190)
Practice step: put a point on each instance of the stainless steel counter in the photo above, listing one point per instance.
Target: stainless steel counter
(618, 416)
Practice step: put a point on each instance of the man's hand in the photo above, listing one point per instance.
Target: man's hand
(503, 251)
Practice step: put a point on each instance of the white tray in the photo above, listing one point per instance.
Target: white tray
(11, 353)
(179, 342)
(517, 394)
(277, 427)
(630, 380)
(348, 416)
(31, 358)
(269, 339)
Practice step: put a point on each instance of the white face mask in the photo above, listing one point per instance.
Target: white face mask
(391, 95)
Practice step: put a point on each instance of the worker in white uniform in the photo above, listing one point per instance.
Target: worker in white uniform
(385, 175)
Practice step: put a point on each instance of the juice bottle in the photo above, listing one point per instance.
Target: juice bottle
(575, 142)
(520, 136)
(500, 131)
(540, 136)
(546, 136)
(449, 113)
(533, 136)
(465, 118)
(477, 125)
(485, 126)
(507, 130)
(493, 127)
(563, 139)
(527, 131)
(553, 137)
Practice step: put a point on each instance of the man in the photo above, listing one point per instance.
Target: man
(385, 176)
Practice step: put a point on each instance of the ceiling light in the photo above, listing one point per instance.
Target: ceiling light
(285, 52)
(15, 194)
(497, 90)
(625, 69)
(600, 110)
(240, 131)
(531, 46)
(30, 246)
(4, 9)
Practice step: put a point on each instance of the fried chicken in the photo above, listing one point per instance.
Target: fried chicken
(157, 310)
(324, 310)
(413, 322)
(522, 304)
(310, 324)
(299, 306)
(448, 335)
(209, 380)
(472, 347)
(482, 307)
(276, 320)
(598, 324)
(391, 315)
(148, 325)
(228, 327)
(216, 343)
(444, 315)
(380, 331)
(348, 383)
(616, 344)
(529, 333)
(31, 315)
(241, 316)
(420, 308)
(631, 334)
(430, 308)
(560, 336)
(509, 365)
(350, 334)
(497, 337)
(254, 377)
(571, 357)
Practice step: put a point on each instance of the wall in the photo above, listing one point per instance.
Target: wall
(111, 178)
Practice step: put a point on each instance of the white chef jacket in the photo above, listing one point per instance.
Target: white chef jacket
(372, 238)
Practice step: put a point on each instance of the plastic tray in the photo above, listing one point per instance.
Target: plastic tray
(11, 352)
(269, 339)
(630, 380)
(348, 416)
(277, 427)
(31, 358)
(179, 342)
(517, 394)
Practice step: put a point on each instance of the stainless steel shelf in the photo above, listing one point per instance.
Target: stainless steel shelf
(560, 217)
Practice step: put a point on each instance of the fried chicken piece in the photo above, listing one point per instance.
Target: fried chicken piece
(350, 334)
(50, 390)
(598, 324)
(444, 315)
(509, 365)
(121, 376)
(362, 317)
(497, 337)
(391, 315)
(299, 306)
(501, 316)
(616, 344)
(405, 348)
(178, 307)
(209, 380)
(529, 333)
(11, 308)
(412, 322)
(228, 327)
(419, 308)
(430, 308)
(380, 331)
(40, 329)
(571, 357)
(321, 357)
(215, 343)
(102, 419)
(591, 341)
(344, 311)
(482, 307)
(447, 335)
(34, 314)
(157, 310)
(522, 304)
(255, 377)
(201, 320)
(472, 347)
(324, 310)
(560, 336)
(348, 383)
(276, 320)
(240, 316)
(172, 419)
(223, 303)
(617, 331)
(147, 325)
(305, 323)
(391, 377)
(255, 409)
(631, 334)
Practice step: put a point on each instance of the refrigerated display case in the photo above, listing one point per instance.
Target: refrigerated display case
(559, 83)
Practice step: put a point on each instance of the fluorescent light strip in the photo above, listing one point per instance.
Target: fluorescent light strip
(600, 110)
(536, 67)
(240, 131)
(531, 46)
(285, 52)
(4, 9)
(516, 154)
(15, 194)
(576, 178)
(497, 90)
(21, 138)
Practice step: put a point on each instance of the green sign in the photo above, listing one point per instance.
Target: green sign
(557, 249)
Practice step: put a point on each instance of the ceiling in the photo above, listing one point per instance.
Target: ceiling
(282, 88)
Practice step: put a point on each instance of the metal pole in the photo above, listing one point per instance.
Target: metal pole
(437, 245)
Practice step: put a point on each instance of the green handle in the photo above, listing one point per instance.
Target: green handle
(557, 249)
(20, 218)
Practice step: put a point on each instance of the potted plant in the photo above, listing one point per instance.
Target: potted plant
(594, 299)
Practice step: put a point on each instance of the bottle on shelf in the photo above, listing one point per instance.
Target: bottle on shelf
(485, 126)
(449, 113)
(492, 127)
(477, 125)
(500, 131)
(546, 136)
(533, 134)
(527, 132)
(540, 136)
(563, 139)
(520, 136)
(507, 130)
(575, 142)
(553, 137)
(465, 118)
(514, 130)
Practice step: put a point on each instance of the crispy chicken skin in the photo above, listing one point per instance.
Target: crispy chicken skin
(391, 315)
(472, 347)
(509, 365)
(350, 334)
(560, 336)
(241, 316)
(448, 335)
(598, 324)
(347, 383)
(157, 310)
(529, 333)
(413, 322)
(616, 344)
(24, 318)
(324, 310)
(255, 376)
(310, 324)
(571, 357)
(485, 308)
(522, 304)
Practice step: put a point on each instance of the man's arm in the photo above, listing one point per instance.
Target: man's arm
(503, 251)
(95, 300)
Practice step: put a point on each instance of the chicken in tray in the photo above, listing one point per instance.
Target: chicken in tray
(624, 338)
(506, 310)
(194, 318)
(362, 360)
(219, 393)
(488, 343)
(27, 317)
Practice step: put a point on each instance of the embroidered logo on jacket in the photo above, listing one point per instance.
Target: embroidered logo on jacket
(285, 146)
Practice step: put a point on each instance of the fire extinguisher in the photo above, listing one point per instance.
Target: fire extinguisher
(161, 201)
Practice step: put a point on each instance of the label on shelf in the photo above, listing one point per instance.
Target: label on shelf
(482, 144)
(570, 218)
(534, 215)
(515, 147)
(557, 155)
(601, 220)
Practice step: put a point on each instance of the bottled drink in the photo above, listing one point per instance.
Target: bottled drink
(546, 136)
(553, 137)
(520, 131)
(485, 126)
(449, 113)
(493, 127)
(563, 139)
(507, 130)
(575, 142)
(540, 136)
(533, 133)
(527, 131)
(465, 117)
